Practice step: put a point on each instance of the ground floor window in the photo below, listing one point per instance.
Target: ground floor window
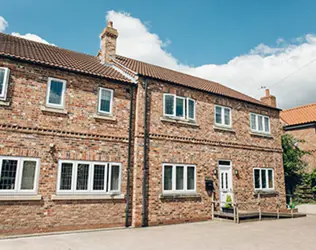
(18, 175)
(179, 178)
(88, 177)
(263, 178)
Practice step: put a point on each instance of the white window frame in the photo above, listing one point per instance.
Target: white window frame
(257, 123)
(185, 107)
(223, 116)
(3, 94)
(107, 183)
(53, 105)
(99, 101)
(260, 178)
(18, 178)
(185, 181)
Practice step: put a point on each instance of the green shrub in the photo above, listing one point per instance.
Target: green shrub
(229, 201)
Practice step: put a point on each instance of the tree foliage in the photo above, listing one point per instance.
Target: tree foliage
(293, 163)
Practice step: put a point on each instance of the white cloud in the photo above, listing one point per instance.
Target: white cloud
(32, 37)
(3, 24)
(263, 66)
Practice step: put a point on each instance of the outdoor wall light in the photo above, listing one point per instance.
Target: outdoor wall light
(236, 172)
(214, 171)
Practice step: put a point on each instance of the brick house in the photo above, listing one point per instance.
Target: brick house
(107, 141)
(301, 123)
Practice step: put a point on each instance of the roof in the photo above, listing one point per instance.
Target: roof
(168, 75)
(49, 55)
(299, 115)
(19, 48)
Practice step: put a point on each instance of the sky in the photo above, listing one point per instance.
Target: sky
(247, 45)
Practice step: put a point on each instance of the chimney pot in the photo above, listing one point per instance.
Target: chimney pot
(267, 92)
(110, 24)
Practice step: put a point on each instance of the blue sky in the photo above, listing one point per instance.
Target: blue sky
(194, 33)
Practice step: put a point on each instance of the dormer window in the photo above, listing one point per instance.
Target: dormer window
(55, 93)
(4, 82)
(179, 107)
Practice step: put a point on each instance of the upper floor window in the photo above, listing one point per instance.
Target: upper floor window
(179, 107)
(223, 116)
(55, 93)
(4, 82)
(178, 178)
(105, 101)
(88, 177)
(259, 123)
(18, 175)
(263, 178)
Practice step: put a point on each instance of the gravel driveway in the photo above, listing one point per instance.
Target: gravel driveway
(282, 234)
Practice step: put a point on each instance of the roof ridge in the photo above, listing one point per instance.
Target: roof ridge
(299, 107)
(45, 44)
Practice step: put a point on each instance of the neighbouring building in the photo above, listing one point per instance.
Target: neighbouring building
(301, 123)
(106, 141)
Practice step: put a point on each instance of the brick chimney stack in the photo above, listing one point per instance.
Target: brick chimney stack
(269, 99)
(108, 43)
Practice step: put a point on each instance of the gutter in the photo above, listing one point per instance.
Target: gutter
(145, 173)
(130, 135)
(300, 126)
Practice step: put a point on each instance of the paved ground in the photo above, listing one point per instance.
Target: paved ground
(283, 234)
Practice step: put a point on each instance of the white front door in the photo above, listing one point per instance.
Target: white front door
(225, 181)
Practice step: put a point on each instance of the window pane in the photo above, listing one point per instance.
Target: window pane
(227, 116)
(98, 177)
(266, 124)
(1, 80)
(82, 177)
(167, 178)
(257, 178)
(169, 104)
(190, 178)
(253, 122)
(191, 109)
(55, 93)
(8, 174)
(260, 123)
(105, 102)
(218, 115)
(179, 107)
(263, 178)
(222, 180)
(28, 175)
(270, 180)
(115, 175)
(179, 177)
(225, 163)
(66, 176)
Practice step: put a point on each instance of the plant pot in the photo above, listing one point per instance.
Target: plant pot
(227, 210)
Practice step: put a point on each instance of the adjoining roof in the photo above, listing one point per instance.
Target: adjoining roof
(27, 50)
(299, 115)
(157, 72)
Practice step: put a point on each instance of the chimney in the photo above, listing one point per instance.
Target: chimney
(108, 43)
(269, 99)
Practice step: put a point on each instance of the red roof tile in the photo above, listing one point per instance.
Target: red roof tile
(299, 115)
(172, 76)
(20, 48)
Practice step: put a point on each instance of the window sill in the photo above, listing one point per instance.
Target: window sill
(179, 196)
(178, 121)
(225, 129)
(104, 117)
(54, 110)
(61, 197)
(4, 103)
(265, 193)
(20, 198)
(252, 133)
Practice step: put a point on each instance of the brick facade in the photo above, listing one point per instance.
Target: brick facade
(28, 130)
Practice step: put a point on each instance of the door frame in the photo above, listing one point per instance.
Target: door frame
(230, 167)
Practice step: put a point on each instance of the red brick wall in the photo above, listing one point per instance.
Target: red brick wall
(27, 131)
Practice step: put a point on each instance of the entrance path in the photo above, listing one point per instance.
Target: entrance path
(277, 234)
